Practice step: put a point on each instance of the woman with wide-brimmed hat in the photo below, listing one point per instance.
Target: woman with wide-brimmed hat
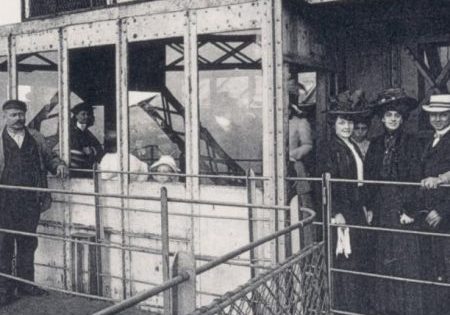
(342, 159)
(394, 156)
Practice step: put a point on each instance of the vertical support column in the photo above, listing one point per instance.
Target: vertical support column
(281, 120)
(12, 66)
(165, 247)
(99, 233)
(122, 144)
(192, 124)
(268, 119)
(326, 214)
(184, 293)
(64, 145)
(322, 93)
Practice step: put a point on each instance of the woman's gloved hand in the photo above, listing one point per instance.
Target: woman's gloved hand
(406, 219)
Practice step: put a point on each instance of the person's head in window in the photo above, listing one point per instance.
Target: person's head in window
(165, 164)
(83, 115)
(85, 149)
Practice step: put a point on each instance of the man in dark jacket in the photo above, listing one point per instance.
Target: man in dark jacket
(25, 160)
(436, 161)
(85, 149)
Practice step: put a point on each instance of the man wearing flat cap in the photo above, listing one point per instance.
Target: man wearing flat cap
(25, 160)
(85, 149)
(435, 162)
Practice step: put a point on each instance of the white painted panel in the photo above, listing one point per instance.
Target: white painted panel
(230, 18)
(156, 26)
(91, 34)
(40, 41)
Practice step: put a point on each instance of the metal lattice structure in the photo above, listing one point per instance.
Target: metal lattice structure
(297, 286)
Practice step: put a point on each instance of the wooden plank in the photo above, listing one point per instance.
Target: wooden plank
(35, 42)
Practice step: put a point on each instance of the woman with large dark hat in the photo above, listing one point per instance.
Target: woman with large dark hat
(342, 159)
(394, 156)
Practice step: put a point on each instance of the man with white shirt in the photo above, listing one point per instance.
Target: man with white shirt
(436, 161)
(25, 160)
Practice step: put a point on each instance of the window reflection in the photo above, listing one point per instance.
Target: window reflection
(93, 106)
(230, 105)
(156, 109)
(38, 87)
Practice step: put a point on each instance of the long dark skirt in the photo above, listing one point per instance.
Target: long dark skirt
(351, 293)
(396, 255)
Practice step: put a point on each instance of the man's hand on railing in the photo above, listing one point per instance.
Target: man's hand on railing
(406, 219)
(431, 182)
(433, 218)
(62, 171)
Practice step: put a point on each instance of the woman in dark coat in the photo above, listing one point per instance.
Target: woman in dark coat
(342, 159)
(394, 156)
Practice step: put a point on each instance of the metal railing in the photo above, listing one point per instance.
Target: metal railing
(405, 230)
(101, 242)
(183, 277)
(297, 286)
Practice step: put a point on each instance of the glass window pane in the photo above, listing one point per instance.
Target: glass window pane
(156, 103)
(93, 106)
(230, 90)
(38, 87)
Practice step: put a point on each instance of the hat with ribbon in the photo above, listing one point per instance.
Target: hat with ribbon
(347, 103)
(438, 104)
(394, 99)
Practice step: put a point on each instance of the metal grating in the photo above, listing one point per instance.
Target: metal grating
(51, 7)
(298, 286)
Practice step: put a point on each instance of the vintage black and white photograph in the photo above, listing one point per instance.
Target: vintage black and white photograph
(225, 157)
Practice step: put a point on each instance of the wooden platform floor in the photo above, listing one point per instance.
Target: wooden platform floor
(59, 304)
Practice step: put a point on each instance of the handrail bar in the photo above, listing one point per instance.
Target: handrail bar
(175, 281)
(386, 277)
(382, 229)
(237, 252)
(262, 178)
(142, 197)
(144, 295)
(240, 291)
(378, 182)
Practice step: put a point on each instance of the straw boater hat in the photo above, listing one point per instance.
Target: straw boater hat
(349, 104)
(438, 104)
(394, 99)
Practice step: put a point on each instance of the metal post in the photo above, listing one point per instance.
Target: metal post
(184, 293)
(99, 232)
(165, 247)
(250, 219)
(326, 214)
